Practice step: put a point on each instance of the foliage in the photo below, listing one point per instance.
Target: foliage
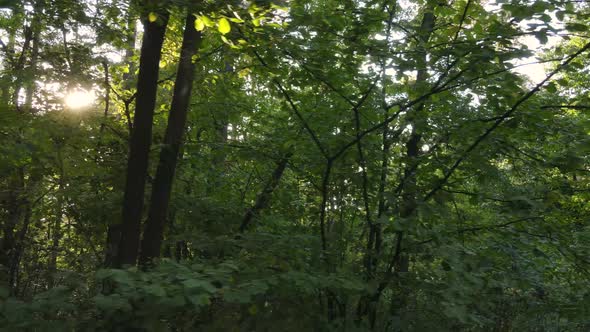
(352, 165)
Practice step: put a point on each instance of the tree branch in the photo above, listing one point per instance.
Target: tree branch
(498, 122)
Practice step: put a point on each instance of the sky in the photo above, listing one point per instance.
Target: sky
(529, 66)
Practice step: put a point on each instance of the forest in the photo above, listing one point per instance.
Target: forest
(295, 165)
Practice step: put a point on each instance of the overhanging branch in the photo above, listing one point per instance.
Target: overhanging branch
(501, 119)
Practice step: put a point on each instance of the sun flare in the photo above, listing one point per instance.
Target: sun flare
(79, 99)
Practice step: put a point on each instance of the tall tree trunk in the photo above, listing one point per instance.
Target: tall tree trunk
(162, 186)
(139, 147)
(417, 120)
(114, 229)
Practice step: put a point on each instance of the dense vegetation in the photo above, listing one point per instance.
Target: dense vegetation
(300, 165)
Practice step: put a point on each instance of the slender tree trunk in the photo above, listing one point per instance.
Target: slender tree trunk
(107, 100)
(112, 245)
(221, 130)
(14, 208)
(18, 250)
(17, 206)
(218, 152)
(367, 306)
(264, 196)
(417, 120)
(8, 62)
(130, 51)
(128, 59)
(55, 230)
(139, 148)
(19, 66)
(162, 186)
(35, 40)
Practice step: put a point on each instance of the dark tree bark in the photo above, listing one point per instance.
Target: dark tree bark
(162, 187)
(139, 147)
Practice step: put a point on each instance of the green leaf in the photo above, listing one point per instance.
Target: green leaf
(112, 302)
(244, 72)
(152, 17)
(551, 87)
(199, 24)
(155, 290)
(207, 21)
(560, 15)
(225, 40)
(223, 25)
(194, 283)
(576, 27)
(199, 299)
(542, 36)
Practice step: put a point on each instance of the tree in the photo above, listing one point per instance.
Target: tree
(162, 187)
(340, 165)
(141, 137)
